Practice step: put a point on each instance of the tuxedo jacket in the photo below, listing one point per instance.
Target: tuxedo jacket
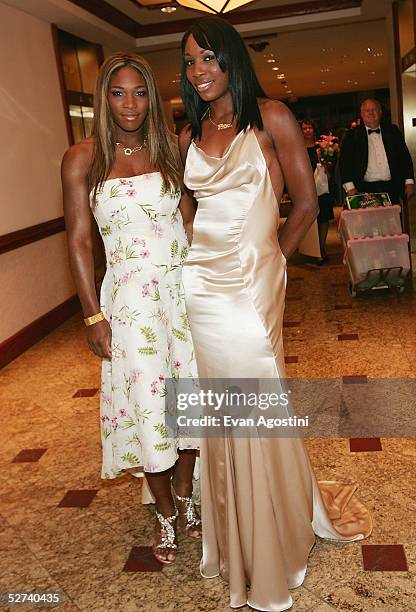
(353, 159)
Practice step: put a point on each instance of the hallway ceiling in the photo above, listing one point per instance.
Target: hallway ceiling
(315, 61)
(318, 50)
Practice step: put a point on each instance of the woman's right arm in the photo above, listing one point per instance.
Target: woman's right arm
(78, 224)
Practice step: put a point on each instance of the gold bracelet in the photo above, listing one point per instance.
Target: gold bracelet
(94, 319)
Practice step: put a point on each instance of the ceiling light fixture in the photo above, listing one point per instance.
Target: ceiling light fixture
(168, 9)
(217, 7)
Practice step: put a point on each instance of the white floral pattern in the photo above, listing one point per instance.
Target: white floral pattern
(142, 297)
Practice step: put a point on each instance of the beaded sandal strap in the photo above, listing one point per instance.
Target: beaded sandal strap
(167, 534)
(192, 519)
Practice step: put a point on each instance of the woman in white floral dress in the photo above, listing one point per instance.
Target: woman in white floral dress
(128, 174)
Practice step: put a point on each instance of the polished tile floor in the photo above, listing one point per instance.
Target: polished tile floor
(63, 529)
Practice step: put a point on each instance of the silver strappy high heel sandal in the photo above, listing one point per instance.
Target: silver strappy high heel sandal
(189, 520)
(167, 537)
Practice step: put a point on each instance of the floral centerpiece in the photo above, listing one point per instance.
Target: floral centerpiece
(328, 146)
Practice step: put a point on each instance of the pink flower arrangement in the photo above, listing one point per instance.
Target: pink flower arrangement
(327, 147)
(126, 277)
(135, 375)
(139, 241)
(157, 229)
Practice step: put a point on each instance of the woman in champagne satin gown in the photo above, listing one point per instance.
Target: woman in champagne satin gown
(261, 505)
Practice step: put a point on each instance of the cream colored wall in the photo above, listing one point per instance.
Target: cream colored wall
(35, 278)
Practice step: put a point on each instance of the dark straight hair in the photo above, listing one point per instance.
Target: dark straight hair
(224, 41)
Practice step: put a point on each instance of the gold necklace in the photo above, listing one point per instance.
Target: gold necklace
(219, 126)
(128, 151)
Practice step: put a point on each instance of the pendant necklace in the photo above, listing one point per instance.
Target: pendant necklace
(128, 151)
(219, 126)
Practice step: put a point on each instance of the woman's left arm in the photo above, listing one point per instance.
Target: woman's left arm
(188, 204)
(289, 146)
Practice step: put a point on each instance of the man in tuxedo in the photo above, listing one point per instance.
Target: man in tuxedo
(374, 158)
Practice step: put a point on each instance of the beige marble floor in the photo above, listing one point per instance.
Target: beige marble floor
(80, 552)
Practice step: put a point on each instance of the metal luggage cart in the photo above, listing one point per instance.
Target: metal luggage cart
(380, 278)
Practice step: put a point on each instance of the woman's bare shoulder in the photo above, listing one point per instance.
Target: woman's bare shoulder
(273, 111)
(78, 157)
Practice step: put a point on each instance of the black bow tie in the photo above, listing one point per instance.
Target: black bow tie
(377, 131)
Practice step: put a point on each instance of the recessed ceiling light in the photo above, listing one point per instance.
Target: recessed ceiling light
(289, 91)
(281, 76)
(369, 49)
(275, 68)
(323, 82)
(355, 82)
(362, 61)
(168, 9)
(325, 69)
(372, 72)
(271, 60)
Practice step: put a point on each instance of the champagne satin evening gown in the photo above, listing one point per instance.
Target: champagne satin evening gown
(261, 504)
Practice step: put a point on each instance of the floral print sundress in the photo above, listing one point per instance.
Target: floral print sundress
(142, 298)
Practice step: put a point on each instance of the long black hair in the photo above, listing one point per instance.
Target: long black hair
(224, 41)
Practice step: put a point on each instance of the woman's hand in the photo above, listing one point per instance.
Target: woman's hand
(99, 339)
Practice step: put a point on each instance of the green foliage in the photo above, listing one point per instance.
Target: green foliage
(179, 334)
(174, 249)
(115, 191)
(185, 321)
(130, 458)
(161, 429)
(147, 350)
(149, 334)
(127, 423)
(162, 446)
(184, 253)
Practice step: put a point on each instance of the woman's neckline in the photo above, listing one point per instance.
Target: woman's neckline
(125, 178)
(227, 150)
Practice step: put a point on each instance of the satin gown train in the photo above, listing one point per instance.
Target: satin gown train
(261, 504)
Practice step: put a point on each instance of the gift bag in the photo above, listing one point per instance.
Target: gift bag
(321, 180)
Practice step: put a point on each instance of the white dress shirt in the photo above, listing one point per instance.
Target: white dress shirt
(378, 166)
